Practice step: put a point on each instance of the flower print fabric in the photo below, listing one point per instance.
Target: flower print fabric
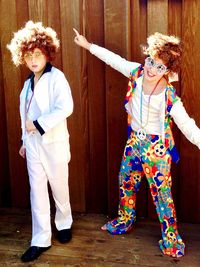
(150, 158)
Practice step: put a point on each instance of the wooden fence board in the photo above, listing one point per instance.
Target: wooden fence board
(73, 64)
(157, 16)
(117, 39)
(190, 159)
(5, 195)
(12, 86)
(98, 125)
(96, 185)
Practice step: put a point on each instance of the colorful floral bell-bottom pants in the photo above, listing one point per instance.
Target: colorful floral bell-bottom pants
(150, 158)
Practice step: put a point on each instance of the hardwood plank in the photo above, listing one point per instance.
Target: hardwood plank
(190, 156)
(117, 39)
(12, 88)
(53, 20)
(74, 68)
(157, 12)
(92, 247)
(96, 183)
(38, 10)
(5, 194)
(138, 29)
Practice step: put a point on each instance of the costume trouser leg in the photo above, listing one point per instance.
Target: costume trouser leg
(43, 166)
(157, 171)
(60, 192)
(130, 176)
(156, 163)
(39, 197)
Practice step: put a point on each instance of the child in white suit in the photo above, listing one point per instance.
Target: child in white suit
(45, 103)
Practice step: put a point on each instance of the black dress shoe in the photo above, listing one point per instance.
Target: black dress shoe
(33, 253)
(64, 235)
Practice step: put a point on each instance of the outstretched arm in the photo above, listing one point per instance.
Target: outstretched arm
(186, 124)
(113, 60)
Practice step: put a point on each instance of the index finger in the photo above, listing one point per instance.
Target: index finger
(76, 32)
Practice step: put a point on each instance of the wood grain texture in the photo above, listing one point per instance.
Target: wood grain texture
(38, 10)
(74, 67)
(138, 29)
(92, 247)
(96, 186)
(190, 158)
(12, 87)
(117, 38)
(5, 194)
(157, 16)
(98, 125)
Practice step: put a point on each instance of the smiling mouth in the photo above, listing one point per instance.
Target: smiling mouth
(150, 74)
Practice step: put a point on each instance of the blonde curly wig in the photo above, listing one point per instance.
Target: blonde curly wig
(33, 35)
(166, 47)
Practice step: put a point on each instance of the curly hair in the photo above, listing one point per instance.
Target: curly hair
(33, 35)
(167, 48)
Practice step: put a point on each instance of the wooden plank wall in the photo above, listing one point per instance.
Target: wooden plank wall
(98, 124)
(189, 172)
(4, 168)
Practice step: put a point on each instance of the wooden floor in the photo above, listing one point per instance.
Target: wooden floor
(92, 247)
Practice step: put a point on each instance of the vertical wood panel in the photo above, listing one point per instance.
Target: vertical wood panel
(190, 156)
(74, 68)
(12, 87)
(37, 10)
(96, 187)
(138, 29)
(117, 39)
(4, 165)
(157, 16)
(53, 20)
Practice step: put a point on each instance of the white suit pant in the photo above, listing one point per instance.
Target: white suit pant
(47, 163)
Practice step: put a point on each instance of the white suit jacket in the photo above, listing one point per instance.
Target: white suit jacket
(53, 96)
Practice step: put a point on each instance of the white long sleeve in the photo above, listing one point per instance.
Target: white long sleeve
(185, 123)
(115, 61)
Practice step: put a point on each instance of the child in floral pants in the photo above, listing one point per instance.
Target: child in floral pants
(151, 102)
